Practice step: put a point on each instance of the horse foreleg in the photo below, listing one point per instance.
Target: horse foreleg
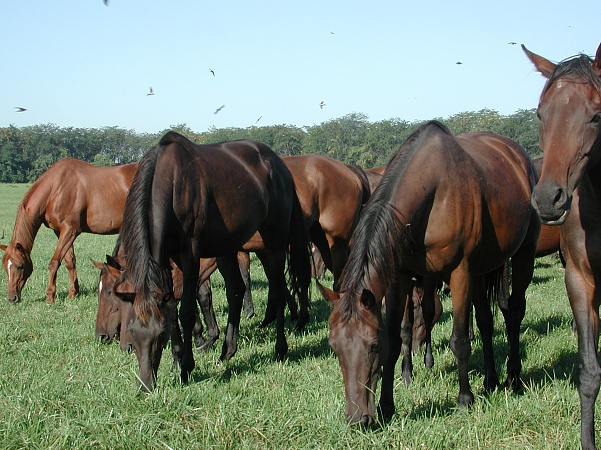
(586, 314)
(70, 264)
(187, 314)
(460, 284)
(485, 322)
(66, 237)
(396, 299)
(234, 291)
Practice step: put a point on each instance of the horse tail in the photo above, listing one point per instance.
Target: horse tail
(142, 270)
(299, 257)
(497, 285)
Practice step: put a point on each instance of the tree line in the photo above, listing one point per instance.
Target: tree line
(26, 152)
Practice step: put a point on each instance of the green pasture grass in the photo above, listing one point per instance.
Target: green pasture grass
(60, 388)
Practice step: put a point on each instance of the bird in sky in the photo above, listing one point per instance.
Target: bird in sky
(151, 92)
(458, 62)
(211, 70)
(512, 43)
(219, 109)
(322, 104)
(106, 2)
(258, 119)
(20, 109)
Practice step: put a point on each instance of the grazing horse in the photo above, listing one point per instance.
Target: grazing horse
(114, 314)
(568, 194)
(71, 197)
(188, 202)
(450, 208)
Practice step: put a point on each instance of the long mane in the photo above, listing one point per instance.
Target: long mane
(381, 236)
(142, 271)
(579, 66)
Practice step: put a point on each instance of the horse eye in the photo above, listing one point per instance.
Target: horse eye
(538, 116)
(375, 347)
(596, 118)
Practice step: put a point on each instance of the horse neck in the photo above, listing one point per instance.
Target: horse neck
(28, 222)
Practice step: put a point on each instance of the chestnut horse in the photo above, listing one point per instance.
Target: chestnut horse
(188, 202)
(71, 197)
(450, 208)
(568, 194)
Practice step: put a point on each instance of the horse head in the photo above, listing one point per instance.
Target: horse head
(569, 111)
(114, 313)
(360, 342)
(19, 267)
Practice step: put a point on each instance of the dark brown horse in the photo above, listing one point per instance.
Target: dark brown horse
(71, 197)
(451, 208)
(568, 194)
(188, 202)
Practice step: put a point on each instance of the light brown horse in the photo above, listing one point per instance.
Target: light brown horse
(71, 197)
(568, 194)
(450, 208)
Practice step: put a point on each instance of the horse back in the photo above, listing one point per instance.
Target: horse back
(224, 193)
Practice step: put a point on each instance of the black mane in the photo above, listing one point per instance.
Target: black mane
(380, 237)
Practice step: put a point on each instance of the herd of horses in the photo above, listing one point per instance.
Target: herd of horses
(453, 209)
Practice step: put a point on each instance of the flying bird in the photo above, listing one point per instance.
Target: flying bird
(219, 109)
(512, 43)
(19, 109)
(151, 92)
(258, 119)
(458, 62)
(106, 2)
(211, 70)
(322, 104)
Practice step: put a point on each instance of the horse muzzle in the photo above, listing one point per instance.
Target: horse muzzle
(552, 203)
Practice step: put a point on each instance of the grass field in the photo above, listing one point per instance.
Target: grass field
(60, 388)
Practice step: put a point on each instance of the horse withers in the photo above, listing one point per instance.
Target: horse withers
(568, 194)
(448, 208)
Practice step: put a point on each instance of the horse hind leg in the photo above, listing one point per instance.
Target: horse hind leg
(66, 237)
(407, 327)
(247, 302)
(234, 291)
(70, 264)
(205, 300)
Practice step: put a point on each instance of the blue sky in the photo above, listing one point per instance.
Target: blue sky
(79, 63)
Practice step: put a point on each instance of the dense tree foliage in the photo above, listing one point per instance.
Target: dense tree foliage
(28, 151)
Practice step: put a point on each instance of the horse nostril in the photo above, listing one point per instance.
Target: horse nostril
(559, 197)
(104, 339)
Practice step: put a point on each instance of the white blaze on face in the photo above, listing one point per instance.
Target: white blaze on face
(100, 287)
(10, 263)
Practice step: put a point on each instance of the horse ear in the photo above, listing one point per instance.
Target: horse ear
(597, 62)
(543, 65)
(328, 294)
(112, 262)
(368, 299)
(97, 264)
(3, 247)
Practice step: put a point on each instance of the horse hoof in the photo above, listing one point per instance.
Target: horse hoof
(385, 413)
(466, 399)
